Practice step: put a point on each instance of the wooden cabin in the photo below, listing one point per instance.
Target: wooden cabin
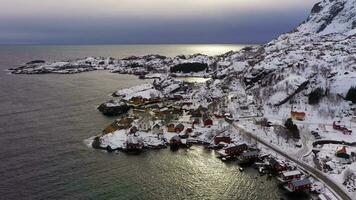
(208, 122)
(298, 115)
(133, 144)
(342, 153)
(171, 128)
(179, 128)
(290, 175)
(249, 155)
(299, 185)
(236, 150)
(276, 166)
(225, 139)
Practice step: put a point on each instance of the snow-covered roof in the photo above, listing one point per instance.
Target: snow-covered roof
(291, 173)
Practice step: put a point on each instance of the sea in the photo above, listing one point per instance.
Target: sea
(45, 120)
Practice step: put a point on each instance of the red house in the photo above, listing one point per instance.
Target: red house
(179, 128)
(287, 176)
(276, 166)
(208, 122)
(298, 115)
(236, 150)
(299, 185)
(343, 129)
(225, 139)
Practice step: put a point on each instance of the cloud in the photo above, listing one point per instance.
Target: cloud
(142, 21)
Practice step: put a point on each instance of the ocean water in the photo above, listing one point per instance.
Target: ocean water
(44, 120)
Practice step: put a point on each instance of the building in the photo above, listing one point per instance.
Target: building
(133, 130)
(133, 144)
(179, 128)
(208, 122)
(225, 139)
(287, 176)
(144, 124)
(299, 185)
(235, 150)
(342, 153)
(249, 155)
(298, 115)
(276, 166)
(343, 129)
(175, 141)
(157, 129)
(170, 128)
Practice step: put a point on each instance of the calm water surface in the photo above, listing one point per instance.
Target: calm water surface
(45, 118)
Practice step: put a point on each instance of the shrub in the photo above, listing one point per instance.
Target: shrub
(189, 67)
(315, 96)
(351, 94)
(292, 128)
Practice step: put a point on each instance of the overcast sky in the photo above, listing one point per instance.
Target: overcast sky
(148, 21)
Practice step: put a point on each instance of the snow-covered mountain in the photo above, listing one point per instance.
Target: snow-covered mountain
(321, 52)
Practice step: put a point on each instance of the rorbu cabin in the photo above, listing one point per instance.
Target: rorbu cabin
(179, 128)
(298, 115)
(225, 139)
(133, 144)
(248, 156)
(287, 176)
(276, 166)
(170, 128)
(234, 150)
(299, 185)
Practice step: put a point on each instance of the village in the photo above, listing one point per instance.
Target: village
(176, 120)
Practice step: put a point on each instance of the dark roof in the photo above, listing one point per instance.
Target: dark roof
(180, 126)
(250, 153)
(301, 182)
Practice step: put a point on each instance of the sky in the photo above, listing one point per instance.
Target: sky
(148, 21)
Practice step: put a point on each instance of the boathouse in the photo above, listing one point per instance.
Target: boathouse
(249, 155)
(175, 140)
(236, 150)
(299, 185)
(290, 175)
(225, 139)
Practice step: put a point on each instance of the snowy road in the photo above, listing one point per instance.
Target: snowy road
(318, 174)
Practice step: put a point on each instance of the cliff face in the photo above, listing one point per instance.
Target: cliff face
(331, 16)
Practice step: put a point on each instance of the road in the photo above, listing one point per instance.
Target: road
(318, 174)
